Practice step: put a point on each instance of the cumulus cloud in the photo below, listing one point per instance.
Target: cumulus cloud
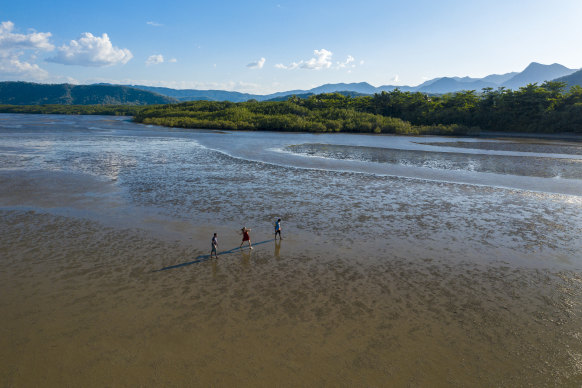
(14, 46)
(11, 66)
(322, 60)
(348, 61)
(91, 50)
(292, 66)
(33, 40)
(257, 64)
(155, 59)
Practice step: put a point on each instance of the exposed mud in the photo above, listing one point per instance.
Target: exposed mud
(379, 280)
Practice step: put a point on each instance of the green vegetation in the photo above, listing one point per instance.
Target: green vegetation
(548, 108)
(56, 109)
(321, 113)
(540, 109)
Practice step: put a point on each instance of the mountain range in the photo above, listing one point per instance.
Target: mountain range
(26, 93)
(533, 73)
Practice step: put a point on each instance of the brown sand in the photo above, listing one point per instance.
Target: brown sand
(80, 306)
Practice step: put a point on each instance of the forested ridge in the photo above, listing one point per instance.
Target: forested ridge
(28, 93)
(546, 108)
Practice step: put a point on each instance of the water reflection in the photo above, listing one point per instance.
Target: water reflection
(519, 145)
(214, 265)
(530, 166)
(277, 248)
(246, 258)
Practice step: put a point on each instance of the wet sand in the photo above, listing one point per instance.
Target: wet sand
(379, 281)
(81, 307)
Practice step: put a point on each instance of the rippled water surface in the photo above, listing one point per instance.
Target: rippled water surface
(405, 260)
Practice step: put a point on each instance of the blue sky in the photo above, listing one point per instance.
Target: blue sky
(268, 46)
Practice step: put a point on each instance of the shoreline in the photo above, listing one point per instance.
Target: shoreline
(562, 136)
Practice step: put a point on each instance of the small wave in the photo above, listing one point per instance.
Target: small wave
(287, 151)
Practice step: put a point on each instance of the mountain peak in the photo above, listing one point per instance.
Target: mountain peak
(537, 73)
(537, 65)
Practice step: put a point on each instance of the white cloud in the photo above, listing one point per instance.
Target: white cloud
(155, 59)
(13, 48)
(91, 50)
(173, 60)
(12, 41)
(154, 24)
(395, 78)
(292, 66)
(258, 64)
(350, 59)
(321, 60)
(12, 67)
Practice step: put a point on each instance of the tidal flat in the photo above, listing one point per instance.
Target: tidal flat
(405, 261)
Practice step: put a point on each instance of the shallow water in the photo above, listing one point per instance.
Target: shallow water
(405, 261)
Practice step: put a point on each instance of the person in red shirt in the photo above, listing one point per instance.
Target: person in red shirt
(246, 237)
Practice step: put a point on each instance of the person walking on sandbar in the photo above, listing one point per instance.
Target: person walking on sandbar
(214, 246)
(278, 229)
(246, 237)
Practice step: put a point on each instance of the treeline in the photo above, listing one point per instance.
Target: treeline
(547, 108)
(320, 113)
(108, 110)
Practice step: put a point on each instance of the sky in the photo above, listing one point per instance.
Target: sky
(263, 47)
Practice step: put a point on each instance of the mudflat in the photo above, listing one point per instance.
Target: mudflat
(379, 279)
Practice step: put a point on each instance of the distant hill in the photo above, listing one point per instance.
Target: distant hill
(539, 73)
(27, 93)
(360, 87)
(194, 94)
(534, 72)
(447, 85)
(572, 79)
(499, 78)
(307, 95)
(24, 93)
